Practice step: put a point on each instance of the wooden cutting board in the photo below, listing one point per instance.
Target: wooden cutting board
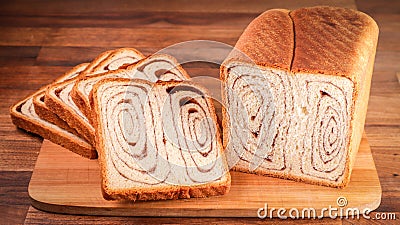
(64, 182)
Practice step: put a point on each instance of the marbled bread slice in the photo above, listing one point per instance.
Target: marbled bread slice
(157, 141)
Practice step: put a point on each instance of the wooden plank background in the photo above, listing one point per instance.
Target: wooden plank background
(39, 40)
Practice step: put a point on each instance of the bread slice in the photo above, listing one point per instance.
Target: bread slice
(112, 60)
(59, 96)
(24, 116)
(108, 61)
(157, 141)
(296, 102)
(153, 68)
(45, 112)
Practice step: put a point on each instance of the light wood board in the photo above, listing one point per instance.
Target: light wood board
(64, 182)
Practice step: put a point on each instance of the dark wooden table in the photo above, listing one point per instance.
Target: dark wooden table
(39, 40)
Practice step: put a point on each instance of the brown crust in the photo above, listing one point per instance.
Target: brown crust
(178, 66)
(61, 138)
(45, 113)
(307, 180)
(145, 194)
(105, 58)
(225, 115)
(66, 113)
(322, 36)
(96, 62)
(199, 191)
(309, 40)
(331, 40)
(79, 100)
(267, 41)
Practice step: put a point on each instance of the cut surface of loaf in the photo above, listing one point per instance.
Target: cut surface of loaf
(59, 97)
(44, 112)
(157, 141)
(296, 99)
(24, 116)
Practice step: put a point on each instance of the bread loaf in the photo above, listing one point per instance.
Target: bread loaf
(157, 141)
(296, 98)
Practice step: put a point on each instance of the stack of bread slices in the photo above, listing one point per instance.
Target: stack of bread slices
(154, 132)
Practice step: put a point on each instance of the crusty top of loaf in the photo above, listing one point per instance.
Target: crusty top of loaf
(321, 39)
(330, 40)
(268, 40)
